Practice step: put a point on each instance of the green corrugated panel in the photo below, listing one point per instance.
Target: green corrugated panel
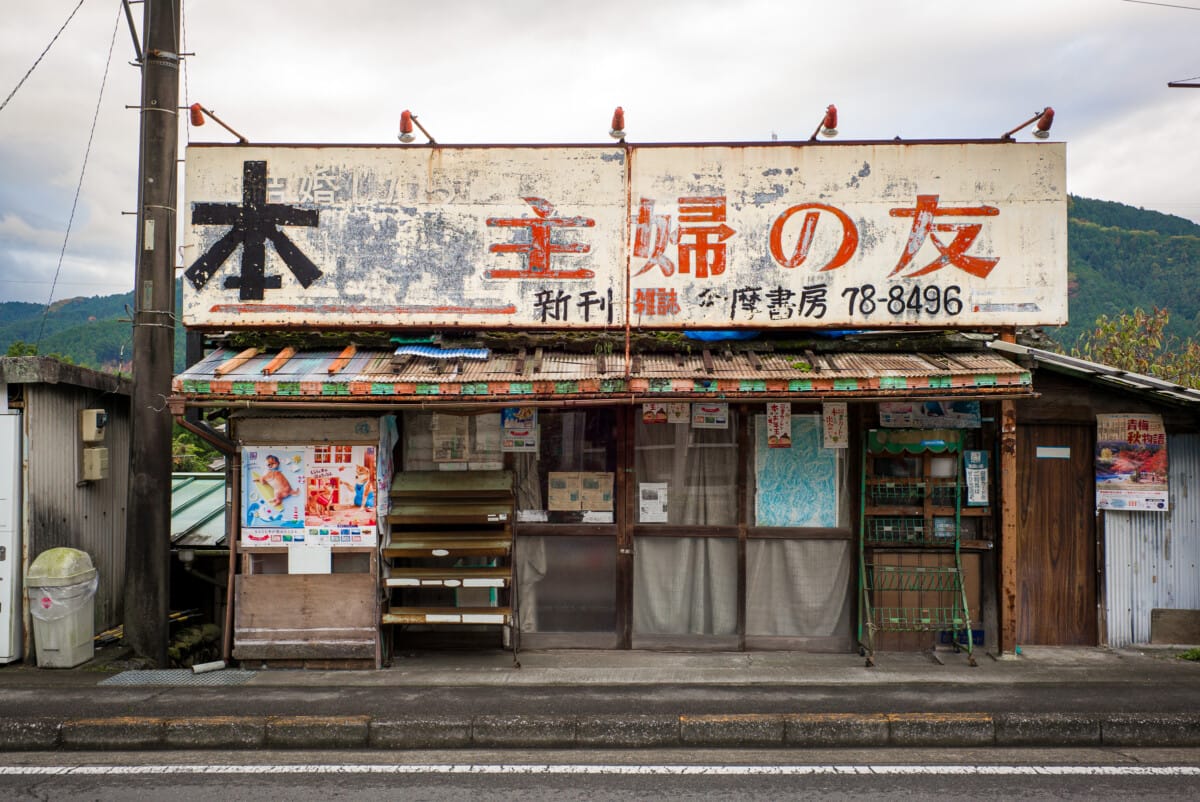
(382, 388)
(660, 385)
(893, 382)
(521, 388)
(475, 388)
(566, 388)
(800, 385)
(752, 386)
(243, 388)
(335, 388)
(845, 384)
(941, 381)
(196, 386)
(288, 388)
(704, 386)
(985, 380)
(612, 385)
(425, 388)
(1026, 378)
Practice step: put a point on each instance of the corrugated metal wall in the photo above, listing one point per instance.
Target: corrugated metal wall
(1153, 560)
(90, 517)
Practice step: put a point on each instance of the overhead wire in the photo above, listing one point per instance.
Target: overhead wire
(79, 187)
(38, 60)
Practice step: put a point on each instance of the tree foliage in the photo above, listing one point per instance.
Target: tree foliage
(189, 453)
(1139, 342)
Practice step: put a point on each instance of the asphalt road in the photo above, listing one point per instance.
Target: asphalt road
(1094, 774)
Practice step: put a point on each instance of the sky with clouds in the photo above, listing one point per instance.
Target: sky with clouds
(542, 71)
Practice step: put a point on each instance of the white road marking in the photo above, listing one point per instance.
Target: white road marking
(680, 770)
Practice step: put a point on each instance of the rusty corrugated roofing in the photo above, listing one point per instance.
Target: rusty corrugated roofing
(380, 375)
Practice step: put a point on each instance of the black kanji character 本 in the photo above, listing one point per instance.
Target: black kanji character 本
(251, 224)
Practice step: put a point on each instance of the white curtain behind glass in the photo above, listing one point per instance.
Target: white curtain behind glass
(699, 467)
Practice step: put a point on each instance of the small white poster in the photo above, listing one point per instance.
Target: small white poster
(833, 422)
(779, 424)
(652, 503)
(710, 415)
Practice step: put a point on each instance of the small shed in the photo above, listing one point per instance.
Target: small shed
(1090, 572)
(66, 432)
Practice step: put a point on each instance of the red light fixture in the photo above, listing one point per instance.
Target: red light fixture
(197, 113)
(617, 131)
(1043, 118)
(828, 125)
(406, 126)
(407, 121)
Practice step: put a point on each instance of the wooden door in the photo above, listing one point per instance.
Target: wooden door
(1056, 538)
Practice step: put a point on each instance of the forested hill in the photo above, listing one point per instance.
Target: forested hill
(1119, 257)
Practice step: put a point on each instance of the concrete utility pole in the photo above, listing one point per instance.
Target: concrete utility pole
(148, 515)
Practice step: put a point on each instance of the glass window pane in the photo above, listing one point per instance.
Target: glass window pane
(684, 586)
(798, 588)
(698, 468)
(438, 441)
(574, 442)
(567, 584)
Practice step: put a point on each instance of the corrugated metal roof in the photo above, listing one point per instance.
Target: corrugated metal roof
(380, 375)
(198, 510)
(1104, 374)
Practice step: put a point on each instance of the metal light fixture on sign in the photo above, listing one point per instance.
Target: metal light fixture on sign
(1044, 119)
(617, 131)
(407, 121)
(197, 113)
(828, 125)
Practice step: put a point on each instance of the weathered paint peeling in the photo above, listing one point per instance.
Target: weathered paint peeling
(704, 236)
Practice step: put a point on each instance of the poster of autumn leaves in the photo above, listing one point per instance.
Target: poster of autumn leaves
(1131, 462)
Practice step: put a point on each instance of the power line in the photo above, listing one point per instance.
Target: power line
(82, 172)
(1164, 5)
(39, 58)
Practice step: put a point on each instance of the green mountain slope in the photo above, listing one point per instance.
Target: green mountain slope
(1119, 257)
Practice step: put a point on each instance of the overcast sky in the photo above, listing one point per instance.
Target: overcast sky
(537, 71)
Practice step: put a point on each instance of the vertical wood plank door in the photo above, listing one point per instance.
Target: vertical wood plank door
(1056, 538)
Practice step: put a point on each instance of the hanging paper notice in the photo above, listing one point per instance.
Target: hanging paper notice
(833, 422)
(450, 438)
(596, 491)
(519, 429)
(652, 503)
(654, 412)
(930, 414)
(710, 416)
(563, 491)
(779, 425)
(677, 412)
(976, 469)
(1131, 463)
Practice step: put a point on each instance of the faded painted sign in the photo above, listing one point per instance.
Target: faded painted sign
(551, 237)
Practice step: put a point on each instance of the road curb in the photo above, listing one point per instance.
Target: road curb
(752, 730)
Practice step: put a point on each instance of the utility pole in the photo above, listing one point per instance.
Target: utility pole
(148, 514)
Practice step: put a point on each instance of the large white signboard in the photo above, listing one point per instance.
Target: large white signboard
(873, 236)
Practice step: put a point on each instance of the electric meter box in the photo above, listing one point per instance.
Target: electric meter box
(91, 425)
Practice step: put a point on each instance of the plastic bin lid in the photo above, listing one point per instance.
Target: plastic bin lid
(61, 566)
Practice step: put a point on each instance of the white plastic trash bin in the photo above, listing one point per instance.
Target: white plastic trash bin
(61, 589)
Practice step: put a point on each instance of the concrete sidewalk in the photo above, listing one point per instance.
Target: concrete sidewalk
(557, 699)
